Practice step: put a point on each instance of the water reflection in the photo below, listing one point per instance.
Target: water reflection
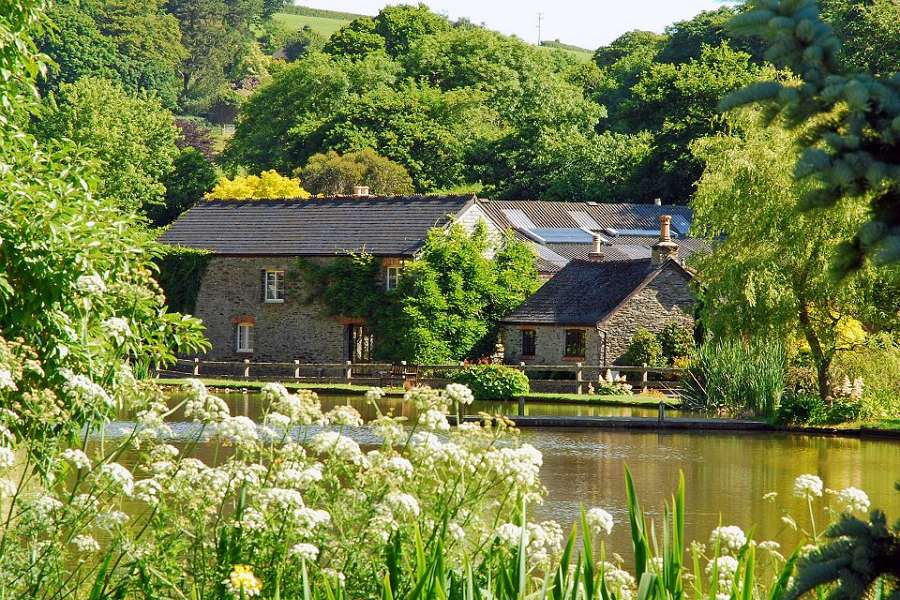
(727, 474)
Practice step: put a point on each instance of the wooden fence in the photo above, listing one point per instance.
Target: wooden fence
(566, 378)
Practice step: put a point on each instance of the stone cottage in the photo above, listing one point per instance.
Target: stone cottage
(251, 297)
(591, 308)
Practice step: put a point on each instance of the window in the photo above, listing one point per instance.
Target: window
(245, 337)
(391, 277)
(575, 343)
(360, 343)
(274, 286)
(528, 336)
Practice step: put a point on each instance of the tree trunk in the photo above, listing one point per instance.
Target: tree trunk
(822, 361)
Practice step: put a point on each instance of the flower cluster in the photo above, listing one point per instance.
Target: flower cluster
(600, 521)
(808, 486)
(242, 583)
(730, 538)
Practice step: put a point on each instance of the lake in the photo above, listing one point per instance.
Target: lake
(726, 473)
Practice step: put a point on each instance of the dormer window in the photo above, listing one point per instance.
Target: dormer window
(391, 277)
(274, 286)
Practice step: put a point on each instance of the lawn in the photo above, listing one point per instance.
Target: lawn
(322, 25)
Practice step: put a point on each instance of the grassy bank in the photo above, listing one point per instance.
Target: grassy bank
(619, 400)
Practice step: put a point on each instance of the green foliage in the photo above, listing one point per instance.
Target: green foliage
(869, 34)
(645, 348)
(849, 124)
(403, 26)
(448, 301)
(192, 177)
(216, 34)
(132, 136)
(876, 364)
(493, 382)
(677, 341)
(136, 44)
(768, 273)
(180, 272)
(862, 559)
(802, 408)
(331, 174)
(736, 377)
(356, 40)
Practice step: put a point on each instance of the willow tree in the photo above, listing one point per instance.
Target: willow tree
(768, 273)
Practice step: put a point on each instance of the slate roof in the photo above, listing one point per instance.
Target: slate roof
(626, 248)
(385, 226)
(582, 293)
(618, 215)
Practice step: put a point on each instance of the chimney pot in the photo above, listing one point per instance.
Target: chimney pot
(596, 253)
(665, 248)
(360, 190)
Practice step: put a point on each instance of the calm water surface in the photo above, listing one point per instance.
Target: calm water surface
(726, 474)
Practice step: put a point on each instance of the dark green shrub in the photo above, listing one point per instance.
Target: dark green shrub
(492, 382)
(645, 349)
(802, 408)
(677, 341)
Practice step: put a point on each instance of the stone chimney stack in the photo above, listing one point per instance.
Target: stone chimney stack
(665, 248)
(360, 190)
(596, 253)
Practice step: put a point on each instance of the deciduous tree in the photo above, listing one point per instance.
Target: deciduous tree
(268, 184)
(332, 174)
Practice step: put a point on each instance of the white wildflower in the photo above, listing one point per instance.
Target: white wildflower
(81, 387)
(203, 407)
(252, 520)
(303, 408)
(769, 546)
(424, 398)
(770, 496)
(7, 457)
(110, 520)
(600, 521)
(726, 567)
(853, 499)
(509, 534)
(305, 551)
(341, 446)
(399, 465)
(402, 504)
(77, 457)
(335, 575)
(117, 328)
(808, 486)
(6, 380)
(374, 394)
(731, 538)
(147, 490)
(278, 421)
(91, 284)
(117, 477)
(434, 420)
(85, 543)
(240, 430)
(619, 581)
(389, 429)
(458, 392)
(344, 415)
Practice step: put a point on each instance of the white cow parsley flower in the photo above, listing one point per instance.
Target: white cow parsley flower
(599, 521)
(305, 551)
(458, 392)
(731, 538)
(808, 486)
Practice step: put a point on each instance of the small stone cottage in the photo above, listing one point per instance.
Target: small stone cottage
(591, 308)
(251, 297)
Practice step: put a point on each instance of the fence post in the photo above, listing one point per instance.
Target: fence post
(521, 406)
(196, 366)
(296, 369)
(578, 377)
(662, 411)
(644, 377)
(348, 372)
(246, 368)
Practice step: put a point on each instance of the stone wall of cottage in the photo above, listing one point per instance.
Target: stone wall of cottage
(232, 291)
(549, 344)
(667, 298)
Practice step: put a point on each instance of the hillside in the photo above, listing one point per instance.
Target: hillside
(325, 22)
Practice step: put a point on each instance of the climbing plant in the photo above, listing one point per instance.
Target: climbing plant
(180, 272)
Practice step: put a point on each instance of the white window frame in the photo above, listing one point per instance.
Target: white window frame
(391, 277)
(244, 342)
(278, 288)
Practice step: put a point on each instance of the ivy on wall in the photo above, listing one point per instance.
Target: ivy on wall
(180, 272)
(448, 302)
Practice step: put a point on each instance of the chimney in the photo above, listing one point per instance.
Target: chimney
(665, 248)
(360, 190)
(657, 202)
(596, 253)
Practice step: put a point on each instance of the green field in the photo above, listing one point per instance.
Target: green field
(322, 25)
(328, 25)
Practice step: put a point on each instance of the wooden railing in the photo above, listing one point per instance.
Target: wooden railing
(566, 378)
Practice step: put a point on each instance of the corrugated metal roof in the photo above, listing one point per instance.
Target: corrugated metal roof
(394, 226)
